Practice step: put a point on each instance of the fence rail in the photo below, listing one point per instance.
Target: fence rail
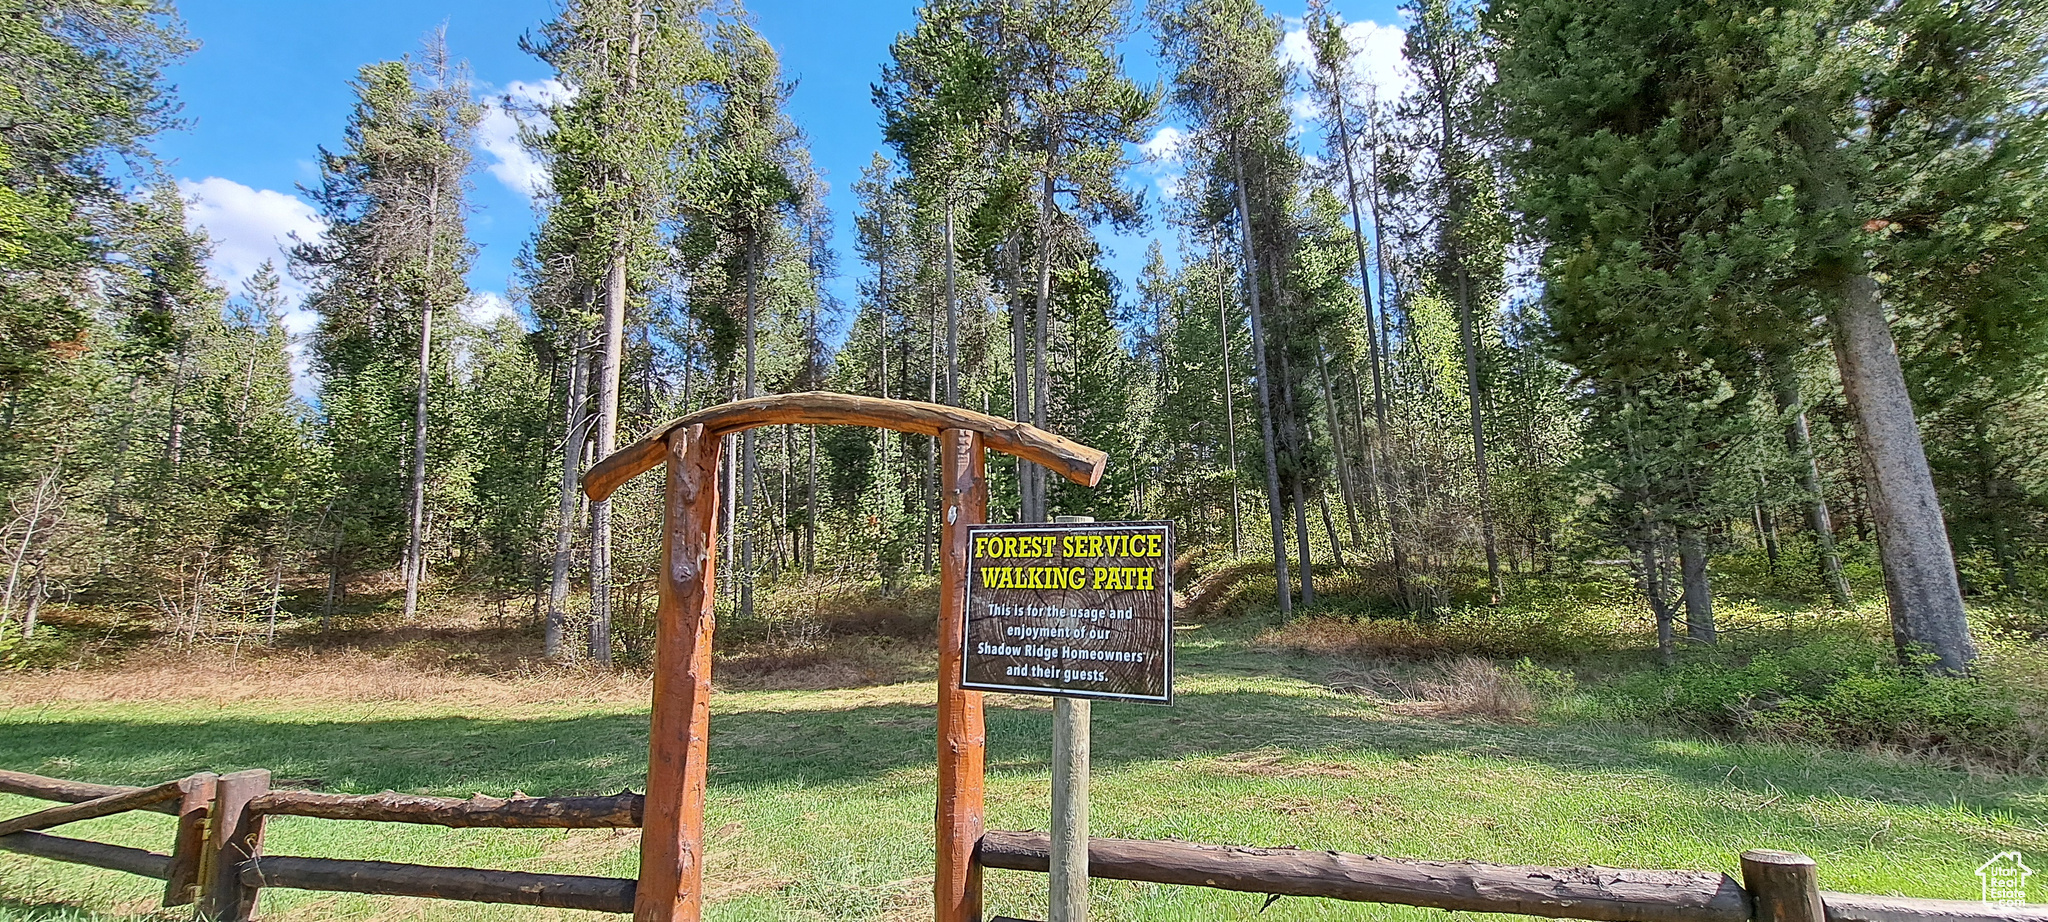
(217, 859)
(1604, 894)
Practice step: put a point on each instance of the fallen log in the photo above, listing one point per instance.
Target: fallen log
(612, 811)
(93, 854)
(70, 792)
(561, 891)
(1863, 907)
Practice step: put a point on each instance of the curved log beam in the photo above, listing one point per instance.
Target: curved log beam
(1071, 459)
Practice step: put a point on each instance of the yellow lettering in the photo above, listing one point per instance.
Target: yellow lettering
(1145, 577)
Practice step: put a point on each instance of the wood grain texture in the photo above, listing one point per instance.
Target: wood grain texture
(1073, 460)
(564, 891)
(92, 854)
(1783, 886)
(672, 839)
(188, 844)
(108, 805)
(1861, 907)
(963, 732)
(234, 836)
(71, 792)
(1605, 894)
(612, 811)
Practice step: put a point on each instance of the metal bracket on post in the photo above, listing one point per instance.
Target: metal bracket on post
(1070, 744)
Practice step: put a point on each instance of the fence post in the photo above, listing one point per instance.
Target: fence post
(963, 734)
(188, 850)
(237, 837)
(671, 887)
(1783, 886)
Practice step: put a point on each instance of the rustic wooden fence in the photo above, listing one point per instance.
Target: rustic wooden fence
(217, 860)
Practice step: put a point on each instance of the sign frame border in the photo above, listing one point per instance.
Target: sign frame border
(967, 609)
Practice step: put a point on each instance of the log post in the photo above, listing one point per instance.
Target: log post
(237, 836)
(963, 735)
(672, 837)
(1783, 886)
(189, 848)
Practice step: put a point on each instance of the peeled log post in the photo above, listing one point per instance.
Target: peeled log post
(236, 835)
(614, 811)
(40, 787)
(672, 840)
(562, 891)
(188, 845)
(963, 732)
(1783, 886)
(1604, 894)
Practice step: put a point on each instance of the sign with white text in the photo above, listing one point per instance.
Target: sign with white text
(1082, 610)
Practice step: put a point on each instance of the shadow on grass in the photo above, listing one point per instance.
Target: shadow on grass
(779, 749)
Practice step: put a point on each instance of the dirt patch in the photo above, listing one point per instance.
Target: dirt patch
(1273, 763)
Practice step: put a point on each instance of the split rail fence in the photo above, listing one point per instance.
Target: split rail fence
(216, 861)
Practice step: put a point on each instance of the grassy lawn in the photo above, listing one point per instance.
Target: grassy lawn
(821, 801)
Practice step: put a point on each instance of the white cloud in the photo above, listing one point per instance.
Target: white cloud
(247, 227)
(486, 308)
(1378, 67)
(1165, 145)
(497, 135)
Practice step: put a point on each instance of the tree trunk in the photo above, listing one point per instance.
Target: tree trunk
(1042, 321)
(1799, 441)
(566, 507)
(952, 316)
(1468, 337)
(415, 561)
(1282, 584)
(606, 439)
(1919, 570)
(1699, 597)
(1343, 458)
(1229, 410)
(746, 494)
(1654, 592)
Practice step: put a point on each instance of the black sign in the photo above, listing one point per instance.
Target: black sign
(1082, 610)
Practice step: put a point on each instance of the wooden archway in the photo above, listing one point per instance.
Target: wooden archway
(672, 835)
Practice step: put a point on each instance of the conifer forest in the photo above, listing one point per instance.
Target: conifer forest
(1685, 300)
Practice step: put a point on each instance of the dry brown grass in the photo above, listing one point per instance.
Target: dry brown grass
(1472, 687)
(339, 676)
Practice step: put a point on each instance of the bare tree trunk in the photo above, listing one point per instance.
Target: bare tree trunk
(1343, 458)
(746, 609)
(1042, 318)
(1229, 411)
(1654, 592)
(952, 316)
(1799, 441)
(415, 561)
(1912, 539)
(606, 439)
(1468, 336)
(1330, 527)
(566, 508)
(1699, 597)
(1282, 584)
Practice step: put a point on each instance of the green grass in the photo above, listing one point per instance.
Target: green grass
(820, 803)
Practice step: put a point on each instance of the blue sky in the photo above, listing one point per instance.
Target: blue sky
(269, 85)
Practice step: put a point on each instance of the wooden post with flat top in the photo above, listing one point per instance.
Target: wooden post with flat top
(671, 884)
(1783, 886)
